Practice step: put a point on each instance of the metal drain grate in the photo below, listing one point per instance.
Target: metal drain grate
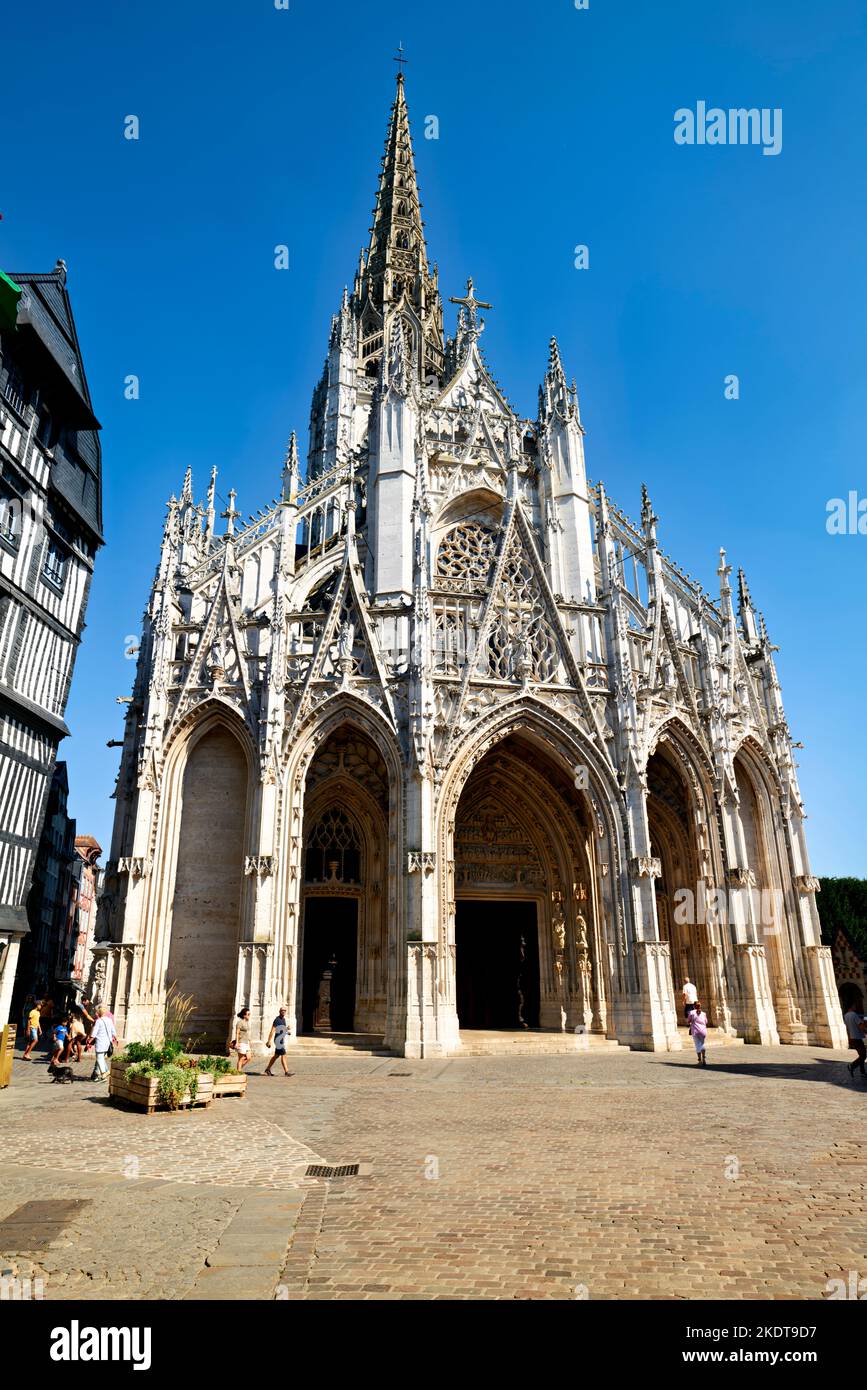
(400, 1073)
(341, 1170)
(33, 1227)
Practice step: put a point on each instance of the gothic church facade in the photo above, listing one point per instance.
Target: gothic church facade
(441, 741)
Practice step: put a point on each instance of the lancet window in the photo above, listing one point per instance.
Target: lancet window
(333, 850)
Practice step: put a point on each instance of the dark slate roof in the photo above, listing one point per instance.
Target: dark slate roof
(45, 306)
(45, 319)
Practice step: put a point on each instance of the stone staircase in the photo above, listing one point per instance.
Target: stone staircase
(338, 1045)
(474, 1043)
(532, 1043)
(715, 1038)
(482, 1043)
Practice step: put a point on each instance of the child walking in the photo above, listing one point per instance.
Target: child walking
(698, 1029)
(61, 1033)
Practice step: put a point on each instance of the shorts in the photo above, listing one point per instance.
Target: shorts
(243, 1049)
(33, 1034)
(279, 1052)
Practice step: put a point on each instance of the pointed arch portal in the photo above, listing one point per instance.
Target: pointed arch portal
(209, 883)
(527, 947)
(342, 981)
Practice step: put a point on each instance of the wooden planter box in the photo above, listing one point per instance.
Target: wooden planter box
(141, 1091)
(229, 1086)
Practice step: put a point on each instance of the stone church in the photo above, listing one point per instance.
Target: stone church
(440, 743)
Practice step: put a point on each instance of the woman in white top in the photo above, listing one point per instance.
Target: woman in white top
(241, 1041)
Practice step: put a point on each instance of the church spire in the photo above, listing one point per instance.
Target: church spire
(291, 471)
(397, 224)
(746, 611)
(555, 397)
(396, 268)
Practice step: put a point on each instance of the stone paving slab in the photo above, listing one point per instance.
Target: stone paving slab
(223, 1144)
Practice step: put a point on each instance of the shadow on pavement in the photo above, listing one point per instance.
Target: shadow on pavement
(830, 1070)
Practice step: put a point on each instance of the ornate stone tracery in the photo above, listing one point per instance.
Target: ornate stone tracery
(457, 672)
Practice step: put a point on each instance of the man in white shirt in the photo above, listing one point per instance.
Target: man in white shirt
(690, 995)
(855, 1025)
(102, 1037)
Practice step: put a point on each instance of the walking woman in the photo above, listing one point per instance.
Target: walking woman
(698, 1028)
(241, 1041)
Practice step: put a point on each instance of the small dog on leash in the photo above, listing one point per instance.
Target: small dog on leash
(61, 1074)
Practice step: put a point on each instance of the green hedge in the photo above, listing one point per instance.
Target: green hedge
(843, 903)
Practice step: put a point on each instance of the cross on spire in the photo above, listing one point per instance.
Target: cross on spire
(471, 305)
(231, 513)
(401, 62)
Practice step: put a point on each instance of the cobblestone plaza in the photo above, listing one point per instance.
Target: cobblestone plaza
(604, 1176)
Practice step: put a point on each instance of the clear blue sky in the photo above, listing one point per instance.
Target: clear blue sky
(262, 126)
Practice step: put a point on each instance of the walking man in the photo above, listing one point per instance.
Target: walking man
(278, 1036)
(855, 1027)
(103, 1039)
(689, 994)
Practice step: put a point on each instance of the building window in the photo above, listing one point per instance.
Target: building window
(54, 564)
(10, 516)
(333, 850)
(14, 390)
(45, 431)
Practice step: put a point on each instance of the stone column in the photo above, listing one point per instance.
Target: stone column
(428, 1018)
(824, 1016)
(8, 964)
(826, 1026)
(753, 1013)
(251, 991)
(757, 1023)
(645, 1016)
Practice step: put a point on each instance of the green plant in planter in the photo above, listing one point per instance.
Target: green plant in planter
(173, 1082)
(179, 1009)
(220, 1066)
(142, 1068)
(148, 1052)
(140, 1052)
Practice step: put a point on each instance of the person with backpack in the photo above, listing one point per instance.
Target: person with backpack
(698, 1029)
